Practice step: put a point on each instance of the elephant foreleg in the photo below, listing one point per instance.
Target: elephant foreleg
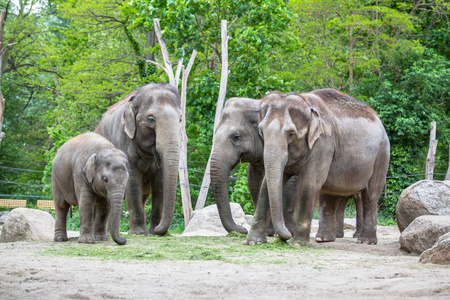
(101, 214)
(138, 224)
(157, 204)
(86, 210)
(257, 234)
(61, 210)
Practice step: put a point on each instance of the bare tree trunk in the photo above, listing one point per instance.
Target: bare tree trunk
(447, 176)
(183, 174)
(222, 92)
(2, 100)
(431, 153)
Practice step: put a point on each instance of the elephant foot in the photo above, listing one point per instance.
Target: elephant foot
(299, 243)
(254, 238)
(367, 240)
(339, 233)
(138, 231)
(323, 236)
(101, 237)
(86, 239)
(61, 238)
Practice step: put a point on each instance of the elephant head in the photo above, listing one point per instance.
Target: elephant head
(236, 139)
(151, 119)
(107, 174)
(290, 128)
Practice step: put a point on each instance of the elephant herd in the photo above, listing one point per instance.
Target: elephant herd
(322, 145)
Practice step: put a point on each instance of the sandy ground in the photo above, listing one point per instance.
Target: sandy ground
(352, 271)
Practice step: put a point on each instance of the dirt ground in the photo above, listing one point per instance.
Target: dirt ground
(353, 271)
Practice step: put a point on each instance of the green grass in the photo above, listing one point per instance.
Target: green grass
(175, 248)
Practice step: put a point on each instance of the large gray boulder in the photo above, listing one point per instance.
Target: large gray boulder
(24, 224)
(425, 197)
(423, 233)
(206, 222)
(439, 253)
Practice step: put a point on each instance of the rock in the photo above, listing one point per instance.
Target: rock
(423, 233)
(425, 197)
(439, 253)
(249, 219)
(3, 216)
(206, 222)
(24, 224)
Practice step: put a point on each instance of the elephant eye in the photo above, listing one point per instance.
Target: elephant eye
(105, 179)
(151, 121)
(261, 133)
(291, 134)
(181, 119)
(236, 138)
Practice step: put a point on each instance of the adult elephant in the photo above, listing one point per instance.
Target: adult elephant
(237, 140)
(336, 146)
(146, 126)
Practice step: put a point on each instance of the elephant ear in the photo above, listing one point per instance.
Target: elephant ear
(89, 168)
(129, 119)
(315, 128)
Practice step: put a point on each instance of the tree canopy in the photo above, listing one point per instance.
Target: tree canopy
(69, 60)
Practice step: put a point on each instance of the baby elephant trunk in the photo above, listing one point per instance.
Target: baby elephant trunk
(116, 201)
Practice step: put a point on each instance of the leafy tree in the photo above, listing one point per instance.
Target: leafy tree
(407, 102)
(341, 42)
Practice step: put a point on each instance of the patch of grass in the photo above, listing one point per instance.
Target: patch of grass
(174, 248)
(386, 221)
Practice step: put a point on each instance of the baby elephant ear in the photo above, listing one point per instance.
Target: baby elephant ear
(129, 119)
(89, 168)
(315, 127)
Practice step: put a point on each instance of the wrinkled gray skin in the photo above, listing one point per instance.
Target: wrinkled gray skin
(336, 146)
(146, 126)
(88, 171)
(237, 140)
(340, 205)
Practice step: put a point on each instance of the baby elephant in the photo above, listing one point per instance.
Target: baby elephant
(88, 171)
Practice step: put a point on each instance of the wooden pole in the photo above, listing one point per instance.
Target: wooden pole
(431, 153)
(2, 100)
(183, 172)
(168, 69)
(447, 176)
(222, 93)
(173, 80)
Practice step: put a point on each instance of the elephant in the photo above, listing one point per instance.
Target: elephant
(336, 145)
(90, 172)
(237, 140)
(146, 126)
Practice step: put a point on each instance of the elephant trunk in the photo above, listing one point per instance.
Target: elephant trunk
(274, 163)
(221, 166)
(116, 201)
(169, 152)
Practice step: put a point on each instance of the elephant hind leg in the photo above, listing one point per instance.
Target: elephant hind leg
(341, 204)
(371, 195)
(327, 218)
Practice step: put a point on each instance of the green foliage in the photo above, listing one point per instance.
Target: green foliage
(239, 188)
(70, 60)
